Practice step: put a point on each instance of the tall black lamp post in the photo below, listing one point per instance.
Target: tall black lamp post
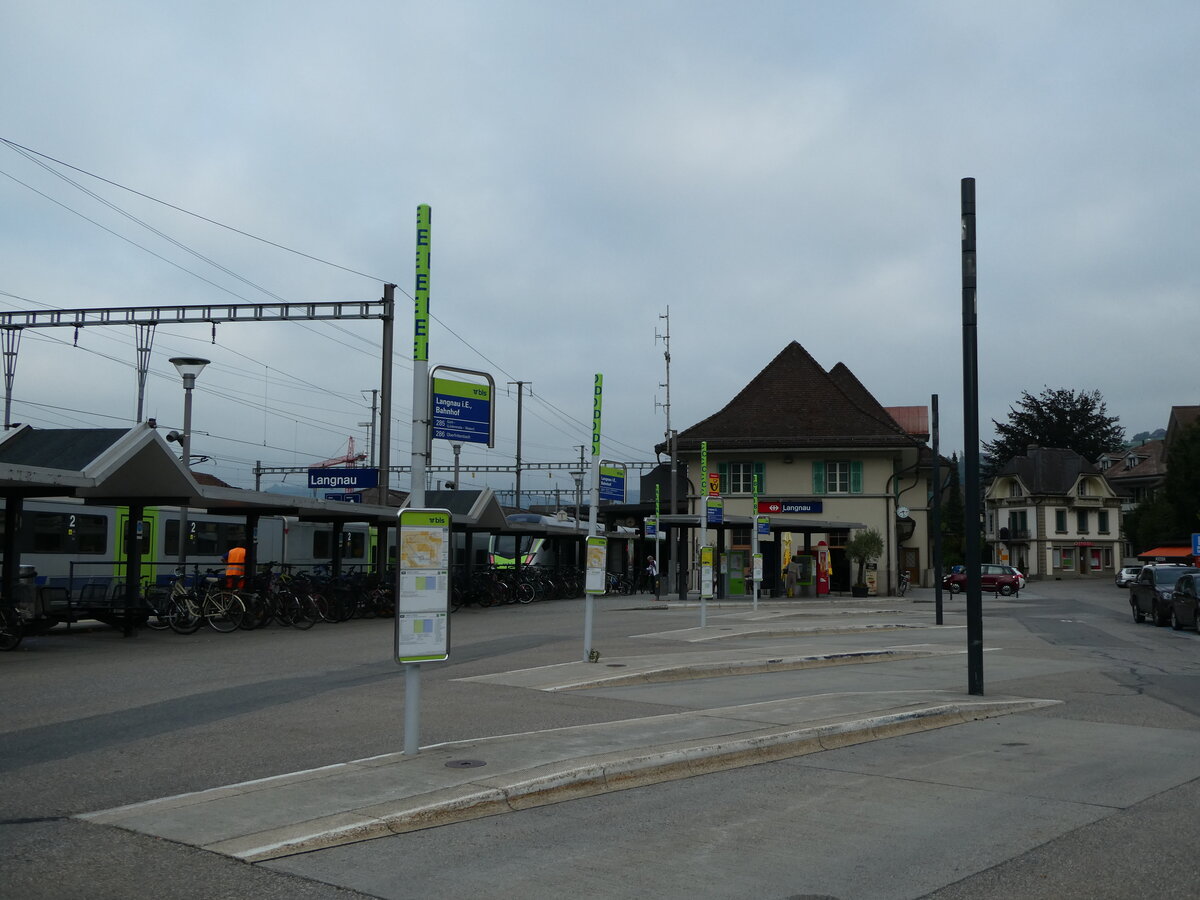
(188, 367)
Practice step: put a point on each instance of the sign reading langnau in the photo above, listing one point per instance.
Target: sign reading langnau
(345, 479)
(462, 411)
(790, 507)
(423, 586)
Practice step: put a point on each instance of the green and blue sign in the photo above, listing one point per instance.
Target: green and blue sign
(461, 411)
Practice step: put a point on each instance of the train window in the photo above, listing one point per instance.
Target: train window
(91, 534)
(205, 538)
(354, 544)
(43, 532)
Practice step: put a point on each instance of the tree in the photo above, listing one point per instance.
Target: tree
(1058, 417)
(867, 544)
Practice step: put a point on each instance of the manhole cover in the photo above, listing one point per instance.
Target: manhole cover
(465, 764)
(616, 665)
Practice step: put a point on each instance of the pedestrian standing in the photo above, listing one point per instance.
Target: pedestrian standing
(652, 574)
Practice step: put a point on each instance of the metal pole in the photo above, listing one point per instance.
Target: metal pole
(937, 515)
(457, 452)
(420, 440)
(970, 313)
(517, 498)
(189, 382)
(385, 420)
(144, 336)
(12, 343)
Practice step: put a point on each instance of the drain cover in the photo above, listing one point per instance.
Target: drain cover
(615, 665)
(465, 764)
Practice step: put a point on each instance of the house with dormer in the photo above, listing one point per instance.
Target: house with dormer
(1053, 514)
(820, 445)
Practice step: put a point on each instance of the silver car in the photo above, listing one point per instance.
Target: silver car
(1127, 576)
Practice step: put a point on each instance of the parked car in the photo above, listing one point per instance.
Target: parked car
(994, 578)
(1013, 570)
(1127, 576)
(1184, 600)
(1150, 594)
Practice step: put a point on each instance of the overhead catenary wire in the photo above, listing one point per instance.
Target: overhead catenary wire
(29, 154)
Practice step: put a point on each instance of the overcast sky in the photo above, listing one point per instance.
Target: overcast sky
(767, 171)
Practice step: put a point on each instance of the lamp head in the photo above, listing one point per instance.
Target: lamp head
(189, 366)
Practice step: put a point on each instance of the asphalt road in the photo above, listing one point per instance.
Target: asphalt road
(1091, 798)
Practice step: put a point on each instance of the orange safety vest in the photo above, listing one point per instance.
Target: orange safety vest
(235, 567)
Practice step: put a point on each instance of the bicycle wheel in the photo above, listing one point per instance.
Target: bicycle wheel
(258, 612)
(285, 607)
(183, 616)
(525, 592)
(224, 611)
(307, 612)
(12, 629)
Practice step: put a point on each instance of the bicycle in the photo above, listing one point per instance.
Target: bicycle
(903, 581)
(12, 628)
(186, 612)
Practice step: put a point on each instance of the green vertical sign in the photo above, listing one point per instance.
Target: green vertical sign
(421, 294)
(597, 402)
(704, 466)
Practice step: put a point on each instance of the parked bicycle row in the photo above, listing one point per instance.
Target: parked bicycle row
(301, 599)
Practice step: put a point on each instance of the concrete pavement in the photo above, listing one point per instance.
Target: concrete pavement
(361, 799)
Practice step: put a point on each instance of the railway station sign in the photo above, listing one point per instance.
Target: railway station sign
(345, 479)
(461, 411)
(345, 498)
(790, 507)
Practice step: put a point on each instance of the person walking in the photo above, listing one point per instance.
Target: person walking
(651, 574)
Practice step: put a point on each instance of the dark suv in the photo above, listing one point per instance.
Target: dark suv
(1150, 593)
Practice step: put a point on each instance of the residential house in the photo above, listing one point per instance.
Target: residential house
(1053, 514)
(820, 446)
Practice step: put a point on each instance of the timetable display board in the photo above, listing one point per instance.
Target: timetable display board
(597, 565)
(423, 586)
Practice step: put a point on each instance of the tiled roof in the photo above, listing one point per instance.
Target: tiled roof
(1151, 464)
(794, 403)
(1048, 470)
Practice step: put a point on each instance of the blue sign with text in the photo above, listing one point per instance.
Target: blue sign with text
(462, 411)
(344, 479)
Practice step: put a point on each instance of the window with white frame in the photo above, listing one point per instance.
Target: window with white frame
(837, 477)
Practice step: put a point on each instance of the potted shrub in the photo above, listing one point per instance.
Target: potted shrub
(865, 546)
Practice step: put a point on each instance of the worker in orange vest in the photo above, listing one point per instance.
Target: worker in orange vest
(235, 568)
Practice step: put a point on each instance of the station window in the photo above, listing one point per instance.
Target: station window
(837, 477)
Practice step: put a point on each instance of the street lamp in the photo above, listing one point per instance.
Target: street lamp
(188, 367)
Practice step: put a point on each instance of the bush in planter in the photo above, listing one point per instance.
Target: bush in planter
(863, 547)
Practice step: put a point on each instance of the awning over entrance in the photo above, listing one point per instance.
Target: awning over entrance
(1167, 554)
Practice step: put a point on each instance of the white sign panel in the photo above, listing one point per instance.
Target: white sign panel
(423, 586)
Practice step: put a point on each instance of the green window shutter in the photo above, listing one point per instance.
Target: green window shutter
(760, 472)
(723, 472)
(856, 477)
(818, 477)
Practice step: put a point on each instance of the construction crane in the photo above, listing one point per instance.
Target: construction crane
(350, 458)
